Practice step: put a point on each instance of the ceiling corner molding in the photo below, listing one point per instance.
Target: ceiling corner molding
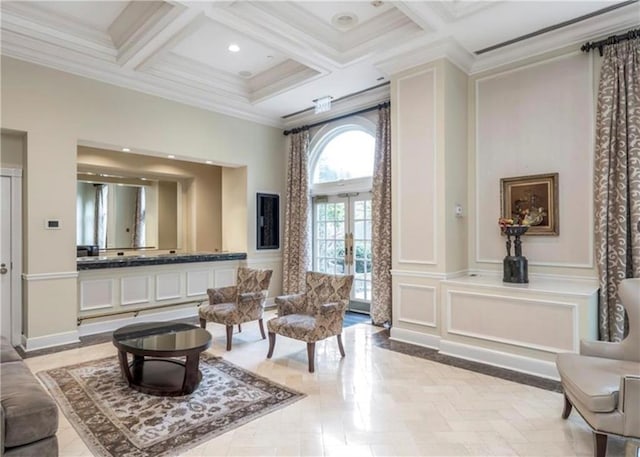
(572, 35)
(445, 49)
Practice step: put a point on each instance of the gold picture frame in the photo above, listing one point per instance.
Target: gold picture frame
(532, 200)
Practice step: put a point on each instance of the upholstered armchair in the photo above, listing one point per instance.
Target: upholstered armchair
(314, 315)
(603, 382)
(235, 305)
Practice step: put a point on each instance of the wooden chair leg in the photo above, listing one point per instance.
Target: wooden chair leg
(203, 323)
(229, 336)
(567, 407)
(311, 354)
(262, 329)
(239, 328)
(272, 344)
(340, 346)
(600, 445)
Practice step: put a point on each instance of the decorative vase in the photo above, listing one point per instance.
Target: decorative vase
(515, 267)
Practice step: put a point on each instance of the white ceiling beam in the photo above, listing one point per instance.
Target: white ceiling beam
(143, 29)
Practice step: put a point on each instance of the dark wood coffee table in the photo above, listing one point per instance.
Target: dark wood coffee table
(152, 370)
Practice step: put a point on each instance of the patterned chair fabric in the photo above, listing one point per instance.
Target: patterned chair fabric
(235, 305)
(315, 315)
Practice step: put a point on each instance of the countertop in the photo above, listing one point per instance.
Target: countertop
(99, 262)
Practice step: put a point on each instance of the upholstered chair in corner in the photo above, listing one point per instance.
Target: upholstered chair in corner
(235, 305)
(314, 315)
(603, 382)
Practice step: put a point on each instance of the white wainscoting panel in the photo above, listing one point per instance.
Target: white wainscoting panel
(526, 322)
(168, 286)
(417, 304)
(135, 289)
(224, 278)
(197, 282)
(96, 293)
(416, 168)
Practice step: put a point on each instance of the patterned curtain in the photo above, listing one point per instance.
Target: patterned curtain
(381, 230)
(617, 180)
(100, 216)
(139, 239)
(296, 217)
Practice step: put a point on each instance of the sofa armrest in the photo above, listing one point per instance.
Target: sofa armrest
(602, 349)
(290, 304)
(222, 295)
(628, 401)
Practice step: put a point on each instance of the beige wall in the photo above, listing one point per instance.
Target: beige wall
(534, 118)
(11, 149)
(58, 111)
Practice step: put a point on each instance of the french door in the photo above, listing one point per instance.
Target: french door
(342, 242)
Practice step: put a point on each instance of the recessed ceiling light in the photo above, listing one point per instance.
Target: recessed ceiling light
(208, 162)
(171, 156)
(126, 150)
(144, 179)
(233, 48)
(344, 20)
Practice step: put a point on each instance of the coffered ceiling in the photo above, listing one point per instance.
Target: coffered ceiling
(289, 52)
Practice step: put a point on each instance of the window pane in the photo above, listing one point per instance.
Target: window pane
(359, 210)
(340, 230)
(320, 211)
(359, 288)
(348, 155)
(358, 230)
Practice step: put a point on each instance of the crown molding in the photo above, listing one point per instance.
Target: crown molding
(446, 48)
(578, 33)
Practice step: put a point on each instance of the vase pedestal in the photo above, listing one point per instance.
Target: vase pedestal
(515, 269)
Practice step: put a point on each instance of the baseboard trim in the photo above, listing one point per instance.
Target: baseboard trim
(522, 364)
(418, 338)
(92, 328)
(47, 341)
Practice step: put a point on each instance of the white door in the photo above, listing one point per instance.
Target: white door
(342, 242)
(10, 254)
(5, 256)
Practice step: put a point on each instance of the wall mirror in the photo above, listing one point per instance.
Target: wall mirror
(268, 221)
(126, 213)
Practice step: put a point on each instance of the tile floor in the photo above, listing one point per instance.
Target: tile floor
(374, 402)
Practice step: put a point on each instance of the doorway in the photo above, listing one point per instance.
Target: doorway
(11, 254)
(342, 242)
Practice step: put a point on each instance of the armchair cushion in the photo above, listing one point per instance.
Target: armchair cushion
(297, 326)
(594, 381)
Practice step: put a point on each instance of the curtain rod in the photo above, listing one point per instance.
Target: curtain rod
(337, 118)
(613, 39)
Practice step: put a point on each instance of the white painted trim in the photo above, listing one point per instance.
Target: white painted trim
(134, 302)
(15, 256)
(47, 341)
(196, 294)
(524, 344)
(522, 364)
(418, 338)
(426, 274)
(434, 260)
(11, 172)
(93, 328)
(168, 297)
(590, 264)
(49, 276)
(433, 323)
(498, 274)
(85, 282)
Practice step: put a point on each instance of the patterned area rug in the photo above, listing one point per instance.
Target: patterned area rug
(115, 420)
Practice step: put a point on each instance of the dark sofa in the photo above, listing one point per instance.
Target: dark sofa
(29, 416)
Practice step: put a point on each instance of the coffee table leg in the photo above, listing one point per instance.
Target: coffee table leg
(124, 366)
(191, 373)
